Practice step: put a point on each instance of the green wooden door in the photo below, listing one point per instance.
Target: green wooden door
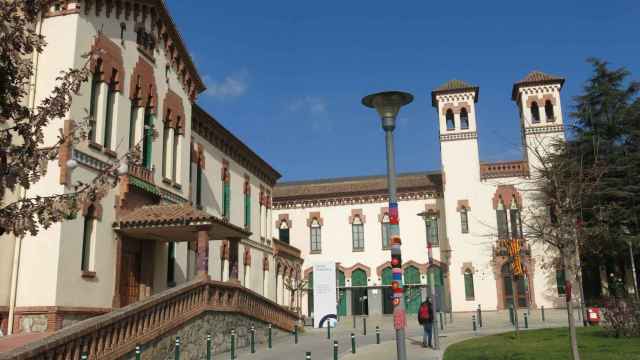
(387, 292)
(360, 305)
(342, 295)
(412, 294)
(310, 295)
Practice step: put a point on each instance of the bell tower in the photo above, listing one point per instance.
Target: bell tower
(538, 100)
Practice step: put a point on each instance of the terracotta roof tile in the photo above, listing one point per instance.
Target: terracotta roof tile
(535, 78)
(364, 185)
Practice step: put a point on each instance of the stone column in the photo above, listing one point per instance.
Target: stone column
(203, 251)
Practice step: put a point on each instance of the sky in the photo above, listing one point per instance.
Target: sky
(287, 77)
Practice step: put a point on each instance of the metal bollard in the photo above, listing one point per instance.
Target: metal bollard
(542, 311)
(353, 343)
(473, 319)
(377, 334)
(177, 352)
(85, 356)
(479, 315)
(364, 326)
(354, 321)
(270, 344)
(328, 329)
(441, 322)
(253, 340)
(208, 347)
(308, 355)
(233, 344)
(335, 349)
(138, 352)
(526, 321)
(295, 334)
(511, 315)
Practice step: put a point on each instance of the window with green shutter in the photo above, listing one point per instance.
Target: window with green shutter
(560, 281)
(247, 211)
(147, 142)
(226, 199)
(468, 285)
(385, 231)
(357, 234)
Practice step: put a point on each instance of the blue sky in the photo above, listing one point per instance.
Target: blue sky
(287, 76)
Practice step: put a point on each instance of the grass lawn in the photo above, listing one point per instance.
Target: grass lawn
(546, 344)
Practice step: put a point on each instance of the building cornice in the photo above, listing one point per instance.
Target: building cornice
(217, 135)
(546, 129)
(337, 200)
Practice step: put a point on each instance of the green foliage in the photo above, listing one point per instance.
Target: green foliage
(547, 344)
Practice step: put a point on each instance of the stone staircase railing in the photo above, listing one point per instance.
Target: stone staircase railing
(116, 334)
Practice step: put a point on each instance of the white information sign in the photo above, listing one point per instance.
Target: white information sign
(324, 294)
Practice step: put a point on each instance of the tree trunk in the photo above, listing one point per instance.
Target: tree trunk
(515, 295)
(575, 355)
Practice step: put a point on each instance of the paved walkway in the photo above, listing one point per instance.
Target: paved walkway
(315, 340)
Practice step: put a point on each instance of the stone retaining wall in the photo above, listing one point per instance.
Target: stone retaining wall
(193, 336)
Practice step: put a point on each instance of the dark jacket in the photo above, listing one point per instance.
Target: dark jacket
(430, 307)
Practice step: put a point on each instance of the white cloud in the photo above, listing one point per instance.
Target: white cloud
(233, 85)
(314, 108)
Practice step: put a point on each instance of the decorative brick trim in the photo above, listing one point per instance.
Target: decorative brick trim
(463, 204)
(173, 112)
(383, 211)
(224, 250)
(247, 185)
(348, 271)
(265, 263)
(225, 175)
(143, 86)
(467, 266)
(247, 257)
(504, 169)
(314, 215)
(62, 8)
(456, 108)
(506, 193)
(111, 57)
(281, 218)
(541, 100)
(467, 135)
(97, 212)
(65, 152)
(544, 129)
(357, 213)
(421, 267)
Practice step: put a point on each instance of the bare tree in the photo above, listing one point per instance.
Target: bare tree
(296, 289)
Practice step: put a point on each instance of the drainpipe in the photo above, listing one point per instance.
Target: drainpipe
(22, 194)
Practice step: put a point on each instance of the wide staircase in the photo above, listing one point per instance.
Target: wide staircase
(155, 320)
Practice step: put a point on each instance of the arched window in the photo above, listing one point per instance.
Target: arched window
(88, 236)
(431, 223)
(468, 285)
(111, 104)
(147, 140)
(516, 223)
(284, 231)
(315, 236)
(175, 156)
(464, 220)
(464, 119)
(501, 216)
(548, 111)
(385, 231)
(560, 281)
(93, 99)
(357, 232)
(451, 125)
(535, 113)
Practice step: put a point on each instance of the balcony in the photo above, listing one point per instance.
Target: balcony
(504, 169)
(142, 173)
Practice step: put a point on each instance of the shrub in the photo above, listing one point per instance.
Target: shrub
(622, 316)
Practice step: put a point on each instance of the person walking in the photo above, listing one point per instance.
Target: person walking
(425, 318)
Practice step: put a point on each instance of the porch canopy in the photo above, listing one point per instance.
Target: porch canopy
(176, 222)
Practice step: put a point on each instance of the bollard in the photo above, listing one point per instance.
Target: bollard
(354, 321)
(295, 334)
(441, 322)
(177, 352)
(353, 343)
(526, 321)
(253, 340)
(85, 356)
(377, 334)
(511, 315)
(479, 315)
(233, 344)
(208, 347)
(364, 326)
(335, 349)
(328, 329)
(473, 320)
(308, 355)
(542, 311)
(270, 344)
(138, 352)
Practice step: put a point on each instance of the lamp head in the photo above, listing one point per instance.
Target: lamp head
(388, 104)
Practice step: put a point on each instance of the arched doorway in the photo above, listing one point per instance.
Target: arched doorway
(359, 301)
(387, 292)
(342, 294)
(412, 292)
(510, 293)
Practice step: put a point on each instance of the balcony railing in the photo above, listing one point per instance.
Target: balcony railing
(116, 334)
(142, 173)
(504, 169)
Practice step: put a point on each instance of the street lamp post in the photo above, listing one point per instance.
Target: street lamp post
(627, 232)
(432, 284)
(388, 105)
